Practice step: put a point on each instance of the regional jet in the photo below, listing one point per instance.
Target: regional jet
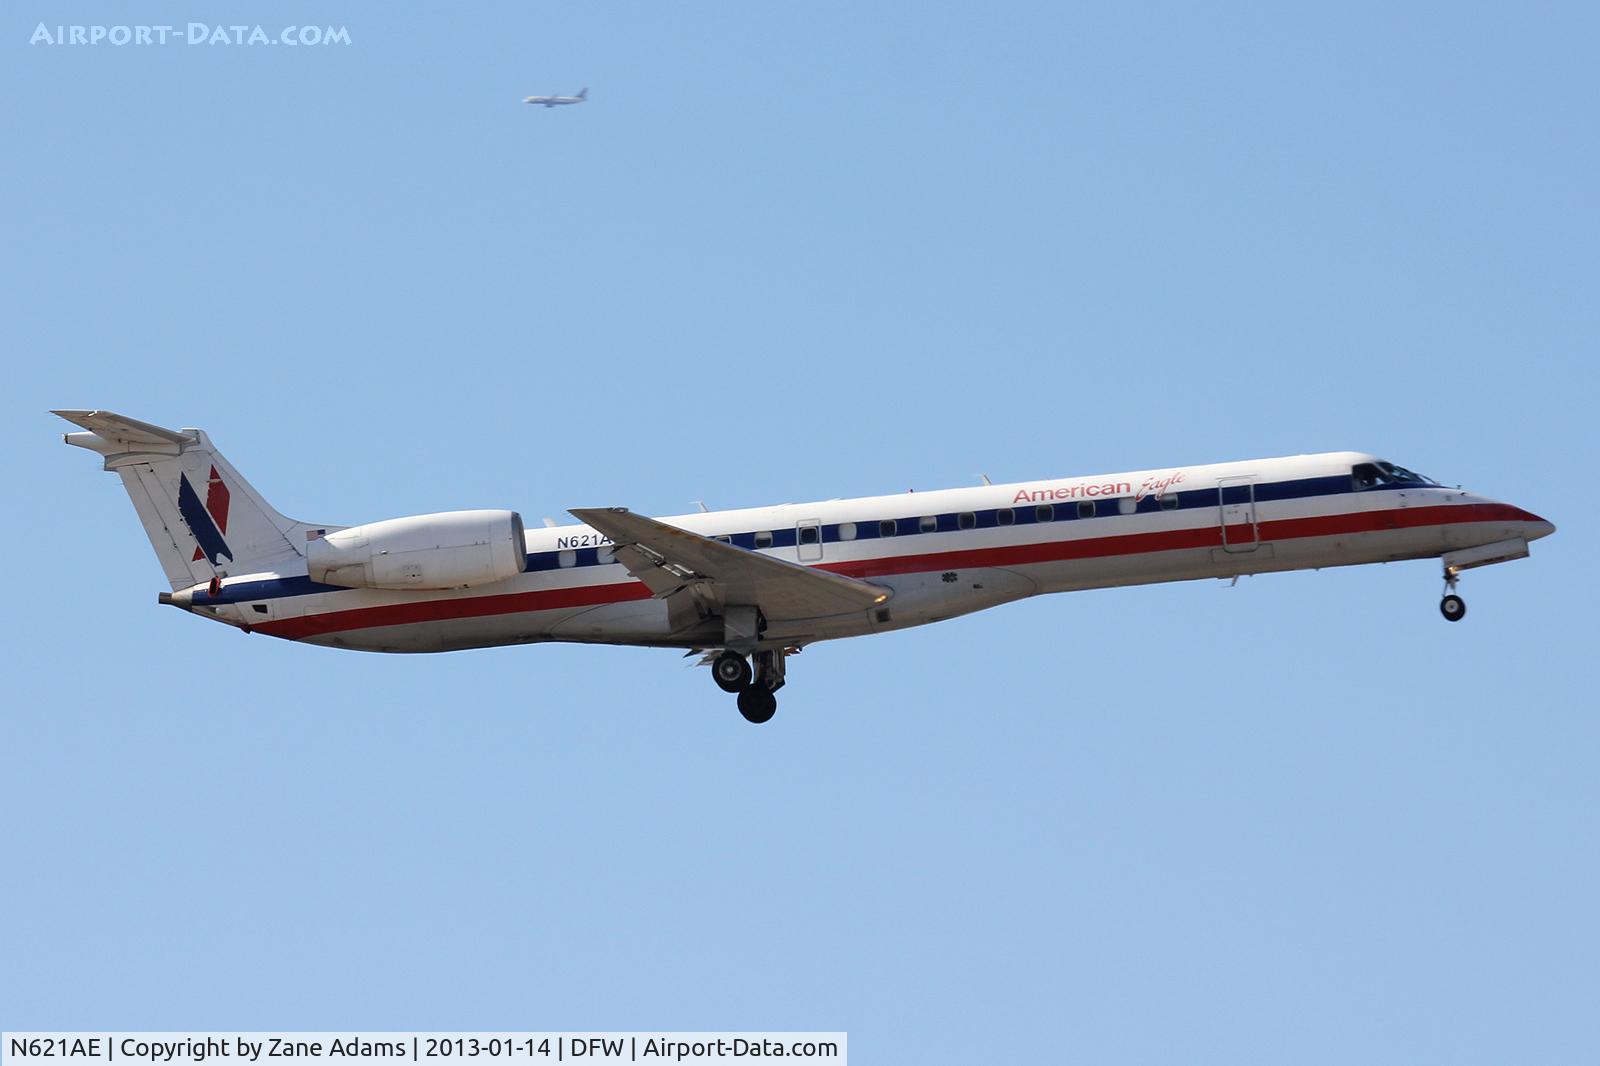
(747, 589)
(557, 101)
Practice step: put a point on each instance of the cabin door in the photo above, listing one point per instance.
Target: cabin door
(1236, 498)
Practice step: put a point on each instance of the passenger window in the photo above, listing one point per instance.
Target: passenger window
(1004, 517)
(928, 523)
(1169, 503)
(604, 555)
(808, 534)
(764, 538)
(966, 520)
(724, 538)
(1044, 513)
(1127, 504)
(1085, 508)
(567, 557)
(886, 527)
(847, 531)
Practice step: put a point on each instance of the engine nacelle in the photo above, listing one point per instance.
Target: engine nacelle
(452, 550)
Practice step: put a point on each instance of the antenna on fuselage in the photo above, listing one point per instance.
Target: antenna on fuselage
(986, 480)
(702, 505)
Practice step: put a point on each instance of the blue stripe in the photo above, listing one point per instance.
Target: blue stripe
(277, 588)
(1022, 514)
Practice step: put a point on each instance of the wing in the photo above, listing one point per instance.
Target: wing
(668, 559)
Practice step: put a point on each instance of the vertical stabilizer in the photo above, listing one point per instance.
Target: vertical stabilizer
(202, 518)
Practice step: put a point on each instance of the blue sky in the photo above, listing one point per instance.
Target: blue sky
(787, 253)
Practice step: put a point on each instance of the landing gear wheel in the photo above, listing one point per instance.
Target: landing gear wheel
(732, 672)
(1453, 607)
(757, 704)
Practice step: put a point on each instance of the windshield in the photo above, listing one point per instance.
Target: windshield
(1379, 473)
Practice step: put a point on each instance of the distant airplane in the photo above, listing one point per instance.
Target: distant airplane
(746, 589)
(557, 101)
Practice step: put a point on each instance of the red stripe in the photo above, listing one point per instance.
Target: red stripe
(1179, 539)
(443, 610)
(974, 558)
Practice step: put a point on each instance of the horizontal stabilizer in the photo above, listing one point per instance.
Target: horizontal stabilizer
(120, 429)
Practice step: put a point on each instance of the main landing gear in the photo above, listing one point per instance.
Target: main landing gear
(757, 687)
(758, 704)
(1453, 607)
(732, 672)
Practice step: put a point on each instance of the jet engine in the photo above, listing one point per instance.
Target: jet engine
(452, 550)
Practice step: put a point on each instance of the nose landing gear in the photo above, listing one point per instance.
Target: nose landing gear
(1453, 607)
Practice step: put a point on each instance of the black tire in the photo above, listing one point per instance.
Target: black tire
(758, 704)
(1453, 607)
(732, 672)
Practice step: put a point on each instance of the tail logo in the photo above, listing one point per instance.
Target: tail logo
(208, 521)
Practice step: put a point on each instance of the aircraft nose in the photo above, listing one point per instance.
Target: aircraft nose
(1518, 521)
(1533, 527)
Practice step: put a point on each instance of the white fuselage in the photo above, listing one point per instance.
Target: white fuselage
(941, 554)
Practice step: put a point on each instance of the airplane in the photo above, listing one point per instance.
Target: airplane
(747, 589)
(557, 101)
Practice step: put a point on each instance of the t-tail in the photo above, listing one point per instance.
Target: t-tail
(202, 518)
(583, 94)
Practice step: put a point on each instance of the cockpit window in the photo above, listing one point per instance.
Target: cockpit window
(1379, 474)
(1400, 473)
